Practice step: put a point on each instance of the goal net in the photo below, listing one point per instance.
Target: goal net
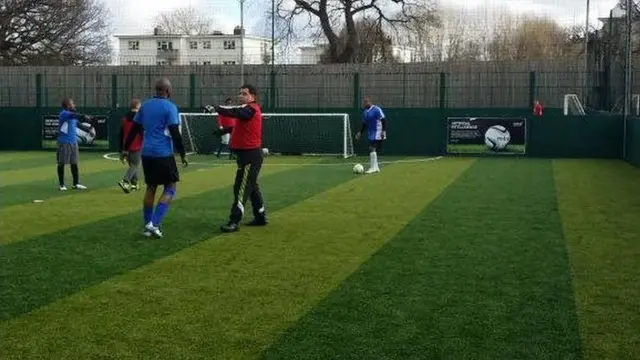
(286, 134)
(572, 105)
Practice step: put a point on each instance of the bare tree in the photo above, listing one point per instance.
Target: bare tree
(374, 44)
(462, 37)
(185, 21)
(531, 38)
(54, 32)
(423, 34)
(330, 17)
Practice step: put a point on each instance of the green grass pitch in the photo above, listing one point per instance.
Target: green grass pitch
(450, 258)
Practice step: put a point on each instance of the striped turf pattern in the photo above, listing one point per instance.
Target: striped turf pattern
(448, 259)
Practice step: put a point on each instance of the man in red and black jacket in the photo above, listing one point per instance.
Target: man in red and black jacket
(246, 143)
(130, 180)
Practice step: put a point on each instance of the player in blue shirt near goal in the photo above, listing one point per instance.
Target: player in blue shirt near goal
(68, 152)
(374, 121)
(159, 122)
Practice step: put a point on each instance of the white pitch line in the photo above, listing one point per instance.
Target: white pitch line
(110, 156)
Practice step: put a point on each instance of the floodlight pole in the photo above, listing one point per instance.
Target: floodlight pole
(242, 42)
(273, 33)
(585, 91)
(628, 91)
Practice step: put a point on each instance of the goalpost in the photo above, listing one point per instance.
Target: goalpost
(287, 134)
(572, 105)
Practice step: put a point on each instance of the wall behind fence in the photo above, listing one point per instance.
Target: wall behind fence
(507, 84)
(633, 141)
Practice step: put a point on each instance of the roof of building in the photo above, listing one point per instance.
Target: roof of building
(178, 36)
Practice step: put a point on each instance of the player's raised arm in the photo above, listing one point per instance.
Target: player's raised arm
(241, 112)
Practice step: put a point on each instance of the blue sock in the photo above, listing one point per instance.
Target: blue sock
(162, 208)
(148, 214)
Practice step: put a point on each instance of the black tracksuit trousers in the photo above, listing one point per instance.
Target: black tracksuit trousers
(246, 184)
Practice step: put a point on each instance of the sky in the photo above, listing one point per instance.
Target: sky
(133, 17)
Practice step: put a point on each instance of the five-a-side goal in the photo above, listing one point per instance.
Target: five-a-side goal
(316, 134)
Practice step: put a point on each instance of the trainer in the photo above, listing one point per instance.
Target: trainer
(68, 152)
(246, 143)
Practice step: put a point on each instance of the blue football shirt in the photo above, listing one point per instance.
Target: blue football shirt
(68, 127)
(372, 117)
(155, 116)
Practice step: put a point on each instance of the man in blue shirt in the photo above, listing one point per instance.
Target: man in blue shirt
(159, 122)
(68, 152)
(374, 121)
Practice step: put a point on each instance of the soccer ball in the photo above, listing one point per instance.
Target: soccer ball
(358, 168)
(86, 137)
(497, 137)
(265, 151)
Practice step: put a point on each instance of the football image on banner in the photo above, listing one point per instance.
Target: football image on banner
(91, 134)
(486, 135)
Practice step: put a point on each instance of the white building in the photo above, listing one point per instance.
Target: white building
(213, 49)
(312, 54)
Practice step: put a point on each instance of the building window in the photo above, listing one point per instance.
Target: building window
(133, 62)
(165, 45)
(229, 62)
(193, 45)
(162, 62)
(229, 44)
(134, 45)
(206, 44)
(206, 63)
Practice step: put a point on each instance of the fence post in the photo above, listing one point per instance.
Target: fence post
(114, 91)
(192, 91)
(39, 90)
(532, 88)
(443, 90)
(356, 90)
(404, 85)
(272, 90)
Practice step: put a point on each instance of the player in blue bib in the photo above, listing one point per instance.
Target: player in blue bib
(374, 121)
(159, 122)
(68, 152)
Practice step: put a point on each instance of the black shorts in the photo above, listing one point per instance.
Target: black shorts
(160, 170)
(376, 144)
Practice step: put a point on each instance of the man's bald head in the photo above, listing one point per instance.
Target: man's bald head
(163, 87)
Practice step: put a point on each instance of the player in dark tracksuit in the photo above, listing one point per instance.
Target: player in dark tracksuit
(246, 143)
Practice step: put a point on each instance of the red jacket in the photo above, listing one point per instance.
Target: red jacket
(226, 121)
(125, 129)
(247, 133)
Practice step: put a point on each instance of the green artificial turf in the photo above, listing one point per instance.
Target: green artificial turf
(600, 210)
(481, 273)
